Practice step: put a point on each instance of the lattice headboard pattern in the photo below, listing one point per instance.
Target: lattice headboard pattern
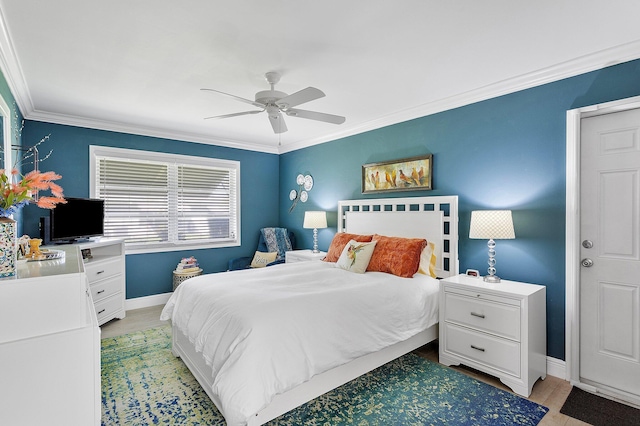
(432, 218)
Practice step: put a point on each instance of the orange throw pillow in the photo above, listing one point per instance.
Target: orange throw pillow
(339, 241)
(397, 256)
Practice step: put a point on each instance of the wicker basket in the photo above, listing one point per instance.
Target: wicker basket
(179, 277)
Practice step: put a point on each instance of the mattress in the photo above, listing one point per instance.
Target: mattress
(265, 331)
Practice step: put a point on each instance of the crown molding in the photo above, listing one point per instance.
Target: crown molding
(11, 69)
(587, 63)
(113, 126)
(10, 66)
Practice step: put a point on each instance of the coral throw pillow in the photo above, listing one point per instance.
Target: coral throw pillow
(397, 256)
(355, 256)
(339, 241)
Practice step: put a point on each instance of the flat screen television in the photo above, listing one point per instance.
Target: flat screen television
(78, 219)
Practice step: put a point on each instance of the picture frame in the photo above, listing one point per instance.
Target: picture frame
(86, 253)
(407, 174)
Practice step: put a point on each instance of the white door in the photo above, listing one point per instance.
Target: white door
(610, 252)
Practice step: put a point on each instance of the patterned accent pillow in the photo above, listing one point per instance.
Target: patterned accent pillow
(355, 256)
(397, 256)
(277, 241)
(428, 260)
(339, 241)
(260, 260)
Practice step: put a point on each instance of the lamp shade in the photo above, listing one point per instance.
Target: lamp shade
(315, 219)
(492, 224)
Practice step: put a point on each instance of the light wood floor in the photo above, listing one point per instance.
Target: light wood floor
(550, 392)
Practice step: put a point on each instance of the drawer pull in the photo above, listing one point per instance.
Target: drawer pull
(99, 272)
(100, 292)
(477, 348)
(105, 310)
(477, 315)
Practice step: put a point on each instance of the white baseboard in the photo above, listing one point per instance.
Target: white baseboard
(557, 368)
(147, 301)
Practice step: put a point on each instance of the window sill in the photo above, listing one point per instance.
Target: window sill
(167, 247)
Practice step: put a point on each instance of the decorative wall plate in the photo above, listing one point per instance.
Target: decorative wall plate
(305, 183)
(308, 183)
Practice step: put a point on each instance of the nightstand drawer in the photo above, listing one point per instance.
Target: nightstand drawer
(485, 315)
(499, 354)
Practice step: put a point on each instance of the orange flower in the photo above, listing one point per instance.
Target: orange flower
(17, 194)
(49, 202)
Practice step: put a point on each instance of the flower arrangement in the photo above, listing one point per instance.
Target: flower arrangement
(14, 195)
(17, 190)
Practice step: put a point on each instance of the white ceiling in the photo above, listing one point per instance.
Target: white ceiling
(138, 66)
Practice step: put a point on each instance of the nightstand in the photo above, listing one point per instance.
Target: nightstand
(303, 256)
(497, 328)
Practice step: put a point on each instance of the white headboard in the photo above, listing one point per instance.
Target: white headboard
(432, 218)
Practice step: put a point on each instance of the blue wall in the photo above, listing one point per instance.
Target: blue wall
(503, 153)
(149, 274)
(507, 152)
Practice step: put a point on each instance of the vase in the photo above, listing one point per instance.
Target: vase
(8, 252)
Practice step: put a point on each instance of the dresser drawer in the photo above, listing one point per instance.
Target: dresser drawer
(102, 270)
(482, 314)
(106, 308)
(499, 354)
(105, 288)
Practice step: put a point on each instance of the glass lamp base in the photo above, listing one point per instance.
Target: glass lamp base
(315, 241)
(491, 278)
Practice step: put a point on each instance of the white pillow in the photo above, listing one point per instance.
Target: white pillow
(355, 256)
(428, 260)
(260, 259)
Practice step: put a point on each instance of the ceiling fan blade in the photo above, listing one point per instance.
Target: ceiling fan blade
(300, 97)
(277, 122)
(238, 98)
(235, 114)
(313, 115)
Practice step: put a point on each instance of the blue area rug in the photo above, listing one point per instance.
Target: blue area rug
(144, 384)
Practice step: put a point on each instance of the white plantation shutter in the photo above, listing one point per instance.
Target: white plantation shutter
(205, 211)
(164, 201)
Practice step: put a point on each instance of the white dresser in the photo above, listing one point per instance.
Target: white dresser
(49, 345)
(107, 277)
(498, 328)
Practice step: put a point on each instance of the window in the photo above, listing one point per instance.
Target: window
(163, 202)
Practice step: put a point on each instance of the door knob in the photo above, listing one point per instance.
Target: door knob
(587, 244)
(587, 263)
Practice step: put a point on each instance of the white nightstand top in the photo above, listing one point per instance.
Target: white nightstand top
(304, 255)
(504, 286)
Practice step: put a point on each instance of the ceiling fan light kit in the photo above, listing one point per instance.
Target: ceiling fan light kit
(276, 103)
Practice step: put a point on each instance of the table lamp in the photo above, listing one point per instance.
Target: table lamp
(491, 225)
(315, 220)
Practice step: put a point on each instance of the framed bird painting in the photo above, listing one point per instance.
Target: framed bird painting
(407, 174)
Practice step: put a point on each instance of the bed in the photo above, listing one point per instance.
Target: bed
(262, 342)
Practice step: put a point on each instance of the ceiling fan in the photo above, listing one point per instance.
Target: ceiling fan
(276, 103)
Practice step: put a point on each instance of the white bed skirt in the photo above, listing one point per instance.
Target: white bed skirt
(309, 390)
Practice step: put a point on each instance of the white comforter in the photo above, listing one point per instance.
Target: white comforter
(265, 331)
